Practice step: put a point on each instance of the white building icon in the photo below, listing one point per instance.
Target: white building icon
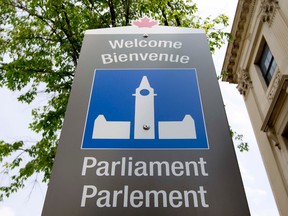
(144, 122)
(144, 125)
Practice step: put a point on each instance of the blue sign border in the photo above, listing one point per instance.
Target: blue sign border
(177, 92)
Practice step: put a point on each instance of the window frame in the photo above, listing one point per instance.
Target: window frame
(267, 64)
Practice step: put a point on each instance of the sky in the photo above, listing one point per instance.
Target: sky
(15, 117)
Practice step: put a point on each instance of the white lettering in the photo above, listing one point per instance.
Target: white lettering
(176, 58)
(147, 198)
(106, 58)
(177, 45)
(120, 44)
(123, 58)
(175, 196)
(125, 202)
(153, 56)
(142, 43)
(202, 193)
(194, 198)
(128, 44)
(159, 168)
(113, 167)
(105, 198)
(115, 197)
(202, 166)
(116, 44)
(136, 195)
(165, 55)
(143, 57)
(123, 162)
(155, 195)
(195, 168)
(165, 44)
(175, 166)
(152, 43)
(132, 57)
(141, 168)
(184, 59)
(85, 194)
(129, 167)
(87, 164)
(103, 168)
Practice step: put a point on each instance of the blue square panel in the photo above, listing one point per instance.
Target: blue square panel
(145, 109)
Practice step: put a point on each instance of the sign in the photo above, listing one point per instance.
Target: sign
(145, 132)
(132, 109)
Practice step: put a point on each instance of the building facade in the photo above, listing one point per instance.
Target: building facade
(257, 61)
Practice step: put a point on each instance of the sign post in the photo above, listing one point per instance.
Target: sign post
(145, 130)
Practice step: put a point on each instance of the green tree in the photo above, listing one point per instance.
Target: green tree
(40, 42)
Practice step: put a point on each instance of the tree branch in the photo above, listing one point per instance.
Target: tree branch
(178, 22)
(48, 22)
(69, 35)
(112, 12)
(126, 5)
(165, 17)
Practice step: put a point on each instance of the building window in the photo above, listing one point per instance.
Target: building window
(267, 64)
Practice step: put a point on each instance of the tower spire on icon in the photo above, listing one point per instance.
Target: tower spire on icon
(144, 125)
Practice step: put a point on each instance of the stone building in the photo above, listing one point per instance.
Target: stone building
(257, 61)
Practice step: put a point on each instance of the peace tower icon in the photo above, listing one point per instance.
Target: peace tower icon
(144, 127)
(144, 122)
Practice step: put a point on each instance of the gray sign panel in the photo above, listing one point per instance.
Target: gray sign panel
(145, 130)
